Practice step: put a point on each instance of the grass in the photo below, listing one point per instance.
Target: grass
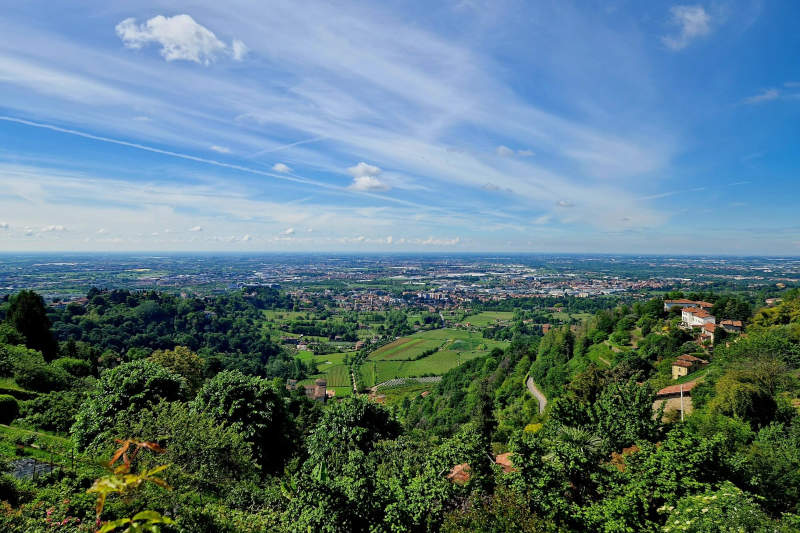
(601, 355)
(395, 395)
(487, 318)
(456, 346)
(405, 348)
(9, 384)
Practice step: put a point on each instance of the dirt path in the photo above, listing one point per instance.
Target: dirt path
(533, 389)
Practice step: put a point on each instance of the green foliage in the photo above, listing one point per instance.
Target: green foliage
(724, 510)
(549, 370)
(774, 465)
(33, 373)
(9, 334)
(120, 392)
(9, 409)
(27, 314)
(123, 481)
(54, 411)
(202, 453)
(623, 415)
(743, 399)
(183, 362)
(252, 407)
(75, 367)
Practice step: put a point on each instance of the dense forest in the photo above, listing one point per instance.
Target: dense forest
(185, 400)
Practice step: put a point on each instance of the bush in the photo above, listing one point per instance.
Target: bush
(9, 409)
(54, 411)
(76, 367)
(121, 391)
(34, 374)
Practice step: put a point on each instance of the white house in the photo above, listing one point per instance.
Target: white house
(695, 316)
(669, 304)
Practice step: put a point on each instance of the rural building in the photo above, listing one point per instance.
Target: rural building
(731, 326)
(685, 365)
(696, 317)
(682, 303)
(670, 397)
(707, 332)
(318, 391)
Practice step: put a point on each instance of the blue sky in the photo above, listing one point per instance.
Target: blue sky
(613, 126)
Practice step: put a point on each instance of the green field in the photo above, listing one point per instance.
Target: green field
(405, 348)
(454, 347)
(487, 318)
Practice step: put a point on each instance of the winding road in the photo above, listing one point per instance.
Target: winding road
(533, 389)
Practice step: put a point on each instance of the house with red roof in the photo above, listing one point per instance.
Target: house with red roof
(686, 364)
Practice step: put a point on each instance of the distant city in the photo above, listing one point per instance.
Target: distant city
(379, 282)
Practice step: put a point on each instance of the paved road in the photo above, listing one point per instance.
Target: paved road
(536, 393)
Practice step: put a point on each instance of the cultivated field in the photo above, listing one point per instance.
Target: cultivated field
(452, 348)
(487, 318)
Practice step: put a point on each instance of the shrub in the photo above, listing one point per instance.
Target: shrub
(9, 409)
(76, 367)
(34, 374)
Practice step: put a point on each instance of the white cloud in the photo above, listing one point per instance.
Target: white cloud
(220, 149)
(543, 219)
(196, 229)
(525, 153)
(52, 228)
(280, 167)
(764, 96)
(288, 231)
(180, 37)
(365, 178)
(692, 22)
(238, 50)
(247, 238)
(101, 231)
(504, 151)
(565, 203)
(3, 225)
(389, 239)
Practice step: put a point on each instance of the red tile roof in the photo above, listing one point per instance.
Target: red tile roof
(676, 389)
(684, 364)
(734, 323)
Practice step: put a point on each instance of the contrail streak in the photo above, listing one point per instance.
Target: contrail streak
(285, 146)
(232, 166)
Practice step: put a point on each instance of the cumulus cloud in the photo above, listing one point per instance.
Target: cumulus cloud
(247, 238)
(504, 151)
(764, 96)
(102, 230)
(180, 37)
(365, 178)
(220, 149)
(564, 203)
(692, 22)
(196, 229)
(389, 239)
(280, 167)
(543, 219)
(3, 225)
(288, 231)
(525, 153)
(57, 227)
